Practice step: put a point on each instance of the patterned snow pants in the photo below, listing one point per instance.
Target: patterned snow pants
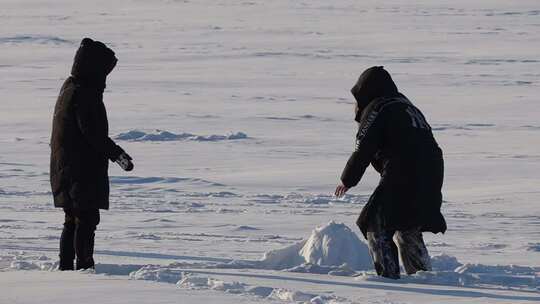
(386, 245)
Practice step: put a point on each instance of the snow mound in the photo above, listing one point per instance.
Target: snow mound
(333, 246)
(444, 262)
(160, 135)
(246, 228)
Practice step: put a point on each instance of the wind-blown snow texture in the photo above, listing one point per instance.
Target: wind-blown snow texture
(239, 119)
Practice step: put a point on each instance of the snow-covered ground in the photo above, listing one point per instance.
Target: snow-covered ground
(239, 119)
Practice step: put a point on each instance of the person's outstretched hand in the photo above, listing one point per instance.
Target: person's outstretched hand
(340, 190)
(124, 161)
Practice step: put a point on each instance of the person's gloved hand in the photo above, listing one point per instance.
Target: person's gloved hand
(124, 161)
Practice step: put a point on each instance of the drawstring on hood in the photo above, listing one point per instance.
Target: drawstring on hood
(92, 63)
(373, 83)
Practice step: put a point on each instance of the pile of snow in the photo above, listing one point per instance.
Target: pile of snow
(331, 247)
(160, 135)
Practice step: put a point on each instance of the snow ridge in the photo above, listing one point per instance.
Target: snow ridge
(198, 281)
(161, 135)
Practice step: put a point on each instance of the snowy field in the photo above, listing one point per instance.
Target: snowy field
(239, 119)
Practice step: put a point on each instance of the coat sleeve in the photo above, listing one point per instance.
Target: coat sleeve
(368, 142)
(377, 162)
(93, 123)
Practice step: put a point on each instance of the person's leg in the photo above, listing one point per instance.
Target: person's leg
(413, 251)
(86, 223)
(382, 249)
(67, 247)
(384, 253)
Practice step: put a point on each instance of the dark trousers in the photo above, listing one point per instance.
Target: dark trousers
(386, 246)
(77, 238)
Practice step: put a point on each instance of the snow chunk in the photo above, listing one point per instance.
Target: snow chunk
(156, 273)
(246, 228)
(201, 282)
(291, 296)
(333, 245)
(160, 135)
(24, 265)
(534, 247)
(444, 262)
(260, 291)
(194, 282)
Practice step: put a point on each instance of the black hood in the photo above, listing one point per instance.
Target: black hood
(92, 63)
(373, 83)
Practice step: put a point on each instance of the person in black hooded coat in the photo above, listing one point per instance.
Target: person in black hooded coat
(80, 151)
(395, 138)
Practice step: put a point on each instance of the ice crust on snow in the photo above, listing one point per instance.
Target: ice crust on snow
(333, 245)
(161, 135)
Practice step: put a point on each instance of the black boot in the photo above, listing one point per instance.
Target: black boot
(85, 264)
(65, 265)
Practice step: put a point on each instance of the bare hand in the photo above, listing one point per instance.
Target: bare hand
(340, 190)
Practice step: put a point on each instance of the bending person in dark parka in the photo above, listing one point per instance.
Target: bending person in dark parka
(80, 151)
(396, 139)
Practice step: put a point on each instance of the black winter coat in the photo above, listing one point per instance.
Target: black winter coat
(396, 139)
(80, 145)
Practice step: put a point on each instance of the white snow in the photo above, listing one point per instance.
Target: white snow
(330, 245)
(160, 135)
(239, 119)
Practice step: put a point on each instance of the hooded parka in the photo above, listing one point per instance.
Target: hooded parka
(80, 145)
(396, 139)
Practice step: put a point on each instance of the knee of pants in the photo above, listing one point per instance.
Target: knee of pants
(381, 237)
(88, 218)
(69, 227)
(69, 222)
(409, 236)
(85, 226)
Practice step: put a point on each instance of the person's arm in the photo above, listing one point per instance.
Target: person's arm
(377, 162)
(368, 141)
(92, 123)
